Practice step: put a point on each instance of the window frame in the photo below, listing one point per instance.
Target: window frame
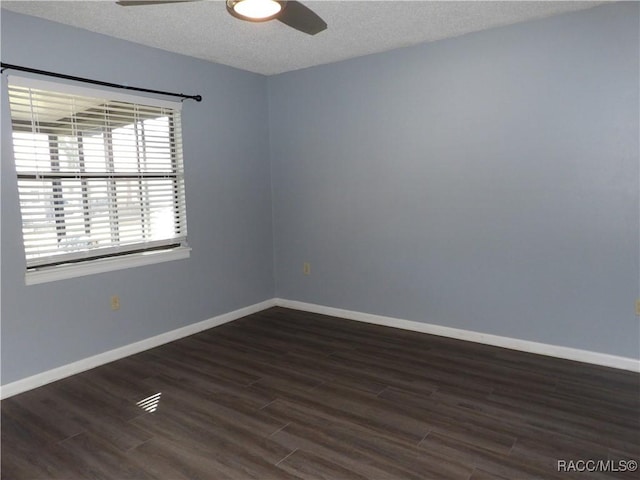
(91, 261)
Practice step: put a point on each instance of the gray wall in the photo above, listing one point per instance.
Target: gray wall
(228, 200)
(487, 182)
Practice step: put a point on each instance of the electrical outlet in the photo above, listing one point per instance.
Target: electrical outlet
(638, 307)
(306, 268)
(115, 302)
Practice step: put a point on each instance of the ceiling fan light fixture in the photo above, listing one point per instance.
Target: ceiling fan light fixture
(254, 10)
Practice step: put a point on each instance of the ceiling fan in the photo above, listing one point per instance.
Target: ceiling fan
(291, 13)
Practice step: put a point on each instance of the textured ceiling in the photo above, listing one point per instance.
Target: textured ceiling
(204, 29)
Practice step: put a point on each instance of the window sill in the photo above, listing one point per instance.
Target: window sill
(62, 272)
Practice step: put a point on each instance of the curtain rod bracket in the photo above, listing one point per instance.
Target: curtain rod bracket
(5, 66)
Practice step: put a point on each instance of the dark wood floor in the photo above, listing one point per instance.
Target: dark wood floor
(285, 394)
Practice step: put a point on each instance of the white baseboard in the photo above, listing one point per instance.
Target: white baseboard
(49, 376)
(586, 356)
(568, 353)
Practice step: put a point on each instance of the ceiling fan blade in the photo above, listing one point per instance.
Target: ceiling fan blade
(302, 18)
(140, 3)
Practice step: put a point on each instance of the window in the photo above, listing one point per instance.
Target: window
(100, 179)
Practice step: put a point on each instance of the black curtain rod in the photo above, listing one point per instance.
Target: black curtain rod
(197, 98)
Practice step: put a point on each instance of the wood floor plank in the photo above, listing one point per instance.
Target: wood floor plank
(285, 394)
(491, 462)
(390, 456)
(96, 458)
(20, 461)
(326, 445)
(311, 467)
(359, 410)
(479, 474)
(170, 460)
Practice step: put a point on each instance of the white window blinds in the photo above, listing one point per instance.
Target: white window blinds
(99, 174)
